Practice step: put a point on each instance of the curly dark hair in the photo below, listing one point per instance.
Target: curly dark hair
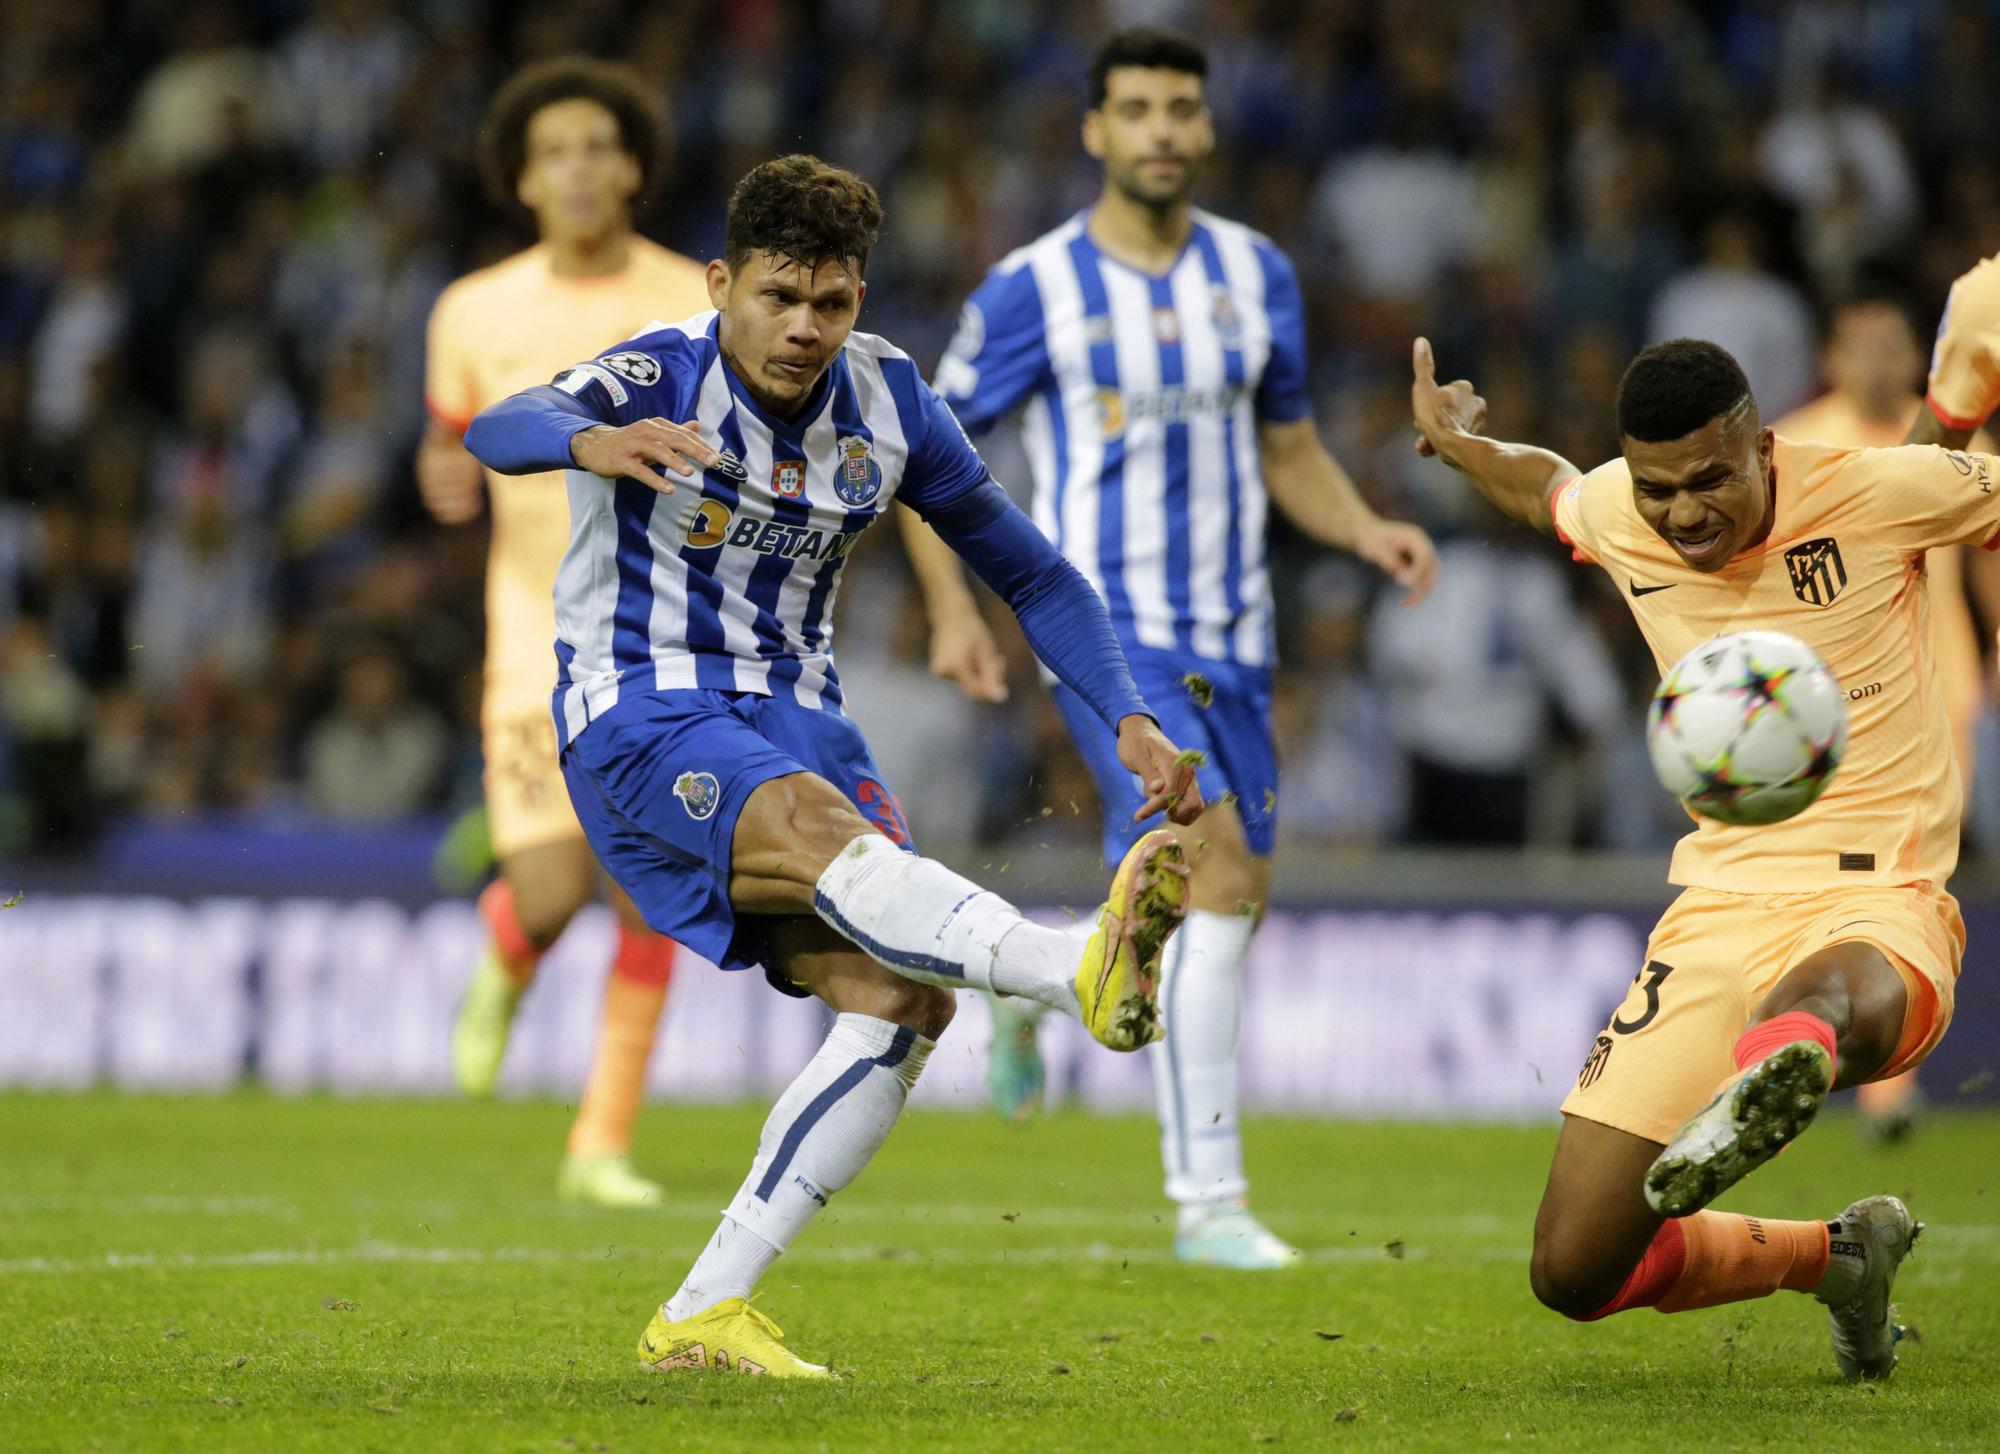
(1149, 48)
(1674, 388)
(503, 134)
(801, 208)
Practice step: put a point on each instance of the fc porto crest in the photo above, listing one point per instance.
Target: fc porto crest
(788, 478)
(699, 793)
(1227, 323)
(858, 479)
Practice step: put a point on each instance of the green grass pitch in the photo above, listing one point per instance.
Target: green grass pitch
(258, 1274)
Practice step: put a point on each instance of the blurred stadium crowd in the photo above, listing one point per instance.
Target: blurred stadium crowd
(222, 226)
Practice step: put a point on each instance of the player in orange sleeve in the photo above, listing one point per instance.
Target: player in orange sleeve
(1871, 358)
(1818, 952)
(576, 144)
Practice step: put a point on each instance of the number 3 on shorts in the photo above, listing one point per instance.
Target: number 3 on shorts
(1653, 976)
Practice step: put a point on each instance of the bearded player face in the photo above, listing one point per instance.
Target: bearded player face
(1152, 133)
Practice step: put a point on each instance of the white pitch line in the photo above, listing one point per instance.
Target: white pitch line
(1949, 1267)
(389, 1252)
(1471, 1224)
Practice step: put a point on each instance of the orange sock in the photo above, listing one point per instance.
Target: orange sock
(516, 951)
(1781, 1030)
(634, 995)
(1713, 1258)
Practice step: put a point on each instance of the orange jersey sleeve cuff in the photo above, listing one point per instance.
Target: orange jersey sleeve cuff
(1555, 518)
(455, 422)
(1949, 420)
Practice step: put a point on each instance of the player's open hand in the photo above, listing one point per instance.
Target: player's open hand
(1402, 552)
(1441, 411)
(1166, 774)
(963, 651)
(632, 450)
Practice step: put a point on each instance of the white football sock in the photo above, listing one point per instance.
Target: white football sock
(823, 1130)
(927, 923)
(1194, 1068)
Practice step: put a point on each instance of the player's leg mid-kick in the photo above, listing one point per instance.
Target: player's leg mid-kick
(1622, 1223)
(1817, 951)
(890, 936)
(706, 756)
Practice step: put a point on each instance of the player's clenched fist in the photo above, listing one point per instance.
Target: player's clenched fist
(631, 451)
(1165, 773)
(1441, 410)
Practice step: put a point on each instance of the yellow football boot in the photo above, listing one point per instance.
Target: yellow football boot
(731, 1337)
(485, 1018)
(606, 1179)
(1120, 973)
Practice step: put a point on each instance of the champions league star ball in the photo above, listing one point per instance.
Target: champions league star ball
(1748, 728)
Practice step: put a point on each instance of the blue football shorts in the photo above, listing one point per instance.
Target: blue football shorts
(659, 781)
(1234, 729)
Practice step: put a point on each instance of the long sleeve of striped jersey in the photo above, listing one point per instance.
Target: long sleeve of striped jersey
(529, 432)
(1062, 617)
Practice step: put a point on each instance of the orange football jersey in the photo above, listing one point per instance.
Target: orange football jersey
(1831, 419)
(509, 327)
(1842, 570)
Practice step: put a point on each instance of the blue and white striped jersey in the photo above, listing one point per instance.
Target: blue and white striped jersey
(729, 584)
(1143, 398)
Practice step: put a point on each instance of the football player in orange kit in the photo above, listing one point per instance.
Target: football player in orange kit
(1871, 359)
(1801, 955)
(577, 144)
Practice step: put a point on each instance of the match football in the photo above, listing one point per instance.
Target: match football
(1207, 962)
(1748, 728)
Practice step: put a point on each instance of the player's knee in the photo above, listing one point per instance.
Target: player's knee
(1877, 1005)
(1226, 876)
(1571, 1280)
(545, 905)
(925, 1008)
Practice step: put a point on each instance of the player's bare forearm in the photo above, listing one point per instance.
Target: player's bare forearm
(962, 646)
(939, 572)
(1308, 485)
(1927, 428)
(1317, 495)
(1520, 479)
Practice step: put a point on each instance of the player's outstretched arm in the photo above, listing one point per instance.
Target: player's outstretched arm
(962, 647)
(1520, 479)
(1070, 631)
(545, 428)
(1307, 483)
